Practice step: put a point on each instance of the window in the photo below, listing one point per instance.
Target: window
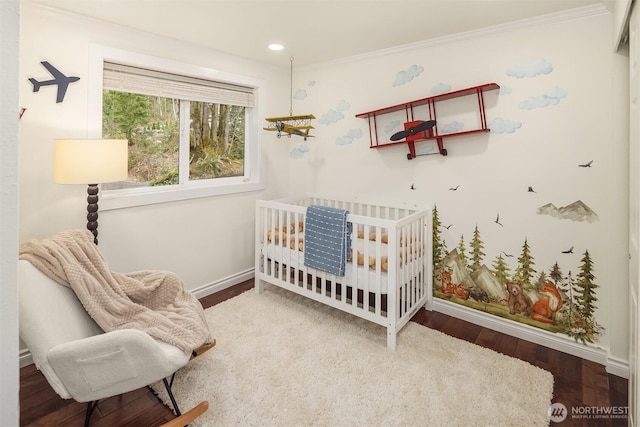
(190, 134)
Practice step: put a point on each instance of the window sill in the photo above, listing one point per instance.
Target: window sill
(131, 197)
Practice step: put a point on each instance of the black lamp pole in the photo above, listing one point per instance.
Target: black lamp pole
(92, 211)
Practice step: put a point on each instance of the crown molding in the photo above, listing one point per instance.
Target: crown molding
(523, 24)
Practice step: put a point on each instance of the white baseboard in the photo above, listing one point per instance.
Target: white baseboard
(567, 345)
(617, 366)
(224, 283)
(24, 358)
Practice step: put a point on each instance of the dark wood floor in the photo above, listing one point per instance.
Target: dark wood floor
(578, 382)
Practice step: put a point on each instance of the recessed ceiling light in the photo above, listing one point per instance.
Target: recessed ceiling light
(276, 46)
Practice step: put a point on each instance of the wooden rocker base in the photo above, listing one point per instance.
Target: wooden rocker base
(188, 416)
(203, 349)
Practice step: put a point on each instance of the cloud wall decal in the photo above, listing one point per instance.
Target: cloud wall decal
(551, 97)
(392, 126)
(532, 69)
(349, 137)
(300, 94)
(406, 76)
(454, 126)
(500, 125)
(343, 105)
(440, 88)
(331, 116)
(298, 152)
(335, 115)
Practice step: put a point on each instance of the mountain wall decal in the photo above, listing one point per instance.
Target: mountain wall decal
(576, 211)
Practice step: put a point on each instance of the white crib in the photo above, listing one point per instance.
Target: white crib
(389, 283)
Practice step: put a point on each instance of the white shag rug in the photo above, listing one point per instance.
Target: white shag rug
(284, 360)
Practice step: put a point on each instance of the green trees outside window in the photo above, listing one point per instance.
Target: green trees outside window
(214, 146)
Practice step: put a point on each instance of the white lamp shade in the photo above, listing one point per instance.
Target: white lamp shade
(90, 161)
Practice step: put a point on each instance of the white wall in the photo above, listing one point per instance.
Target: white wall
(494, 170)
(206, 241)
(9, 377)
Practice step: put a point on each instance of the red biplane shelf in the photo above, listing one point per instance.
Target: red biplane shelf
(420, 130)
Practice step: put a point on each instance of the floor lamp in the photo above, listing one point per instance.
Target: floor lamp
(91, 162)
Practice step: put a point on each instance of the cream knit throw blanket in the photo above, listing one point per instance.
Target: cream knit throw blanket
(153, 301)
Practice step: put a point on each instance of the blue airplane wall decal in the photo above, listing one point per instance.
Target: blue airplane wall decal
(58, 79)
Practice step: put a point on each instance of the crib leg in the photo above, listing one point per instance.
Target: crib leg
(259, 286)
(391, 338)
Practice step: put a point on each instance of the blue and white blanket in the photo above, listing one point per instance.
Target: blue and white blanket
(327, 239)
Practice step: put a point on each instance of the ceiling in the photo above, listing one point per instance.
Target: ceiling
(312, 31)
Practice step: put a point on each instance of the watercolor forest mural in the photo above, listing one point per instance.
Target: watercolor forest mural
(560, 296)
(513, 287)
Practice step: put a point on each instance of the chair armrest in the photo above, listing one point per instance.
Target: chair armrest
(113, 363)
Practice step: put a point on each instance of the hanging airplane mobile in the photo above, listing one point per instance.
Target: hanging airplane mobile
(291, 125)
(59, 79)
(421, 130)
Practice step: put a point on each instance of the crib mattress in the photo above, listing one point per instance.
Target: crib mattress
(357, 276)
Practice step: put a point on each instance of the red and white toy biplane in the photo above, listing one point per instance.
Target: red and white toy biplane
(422, 130)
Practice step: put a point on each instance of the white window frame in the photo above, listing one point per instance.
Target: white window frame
(252, 180)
